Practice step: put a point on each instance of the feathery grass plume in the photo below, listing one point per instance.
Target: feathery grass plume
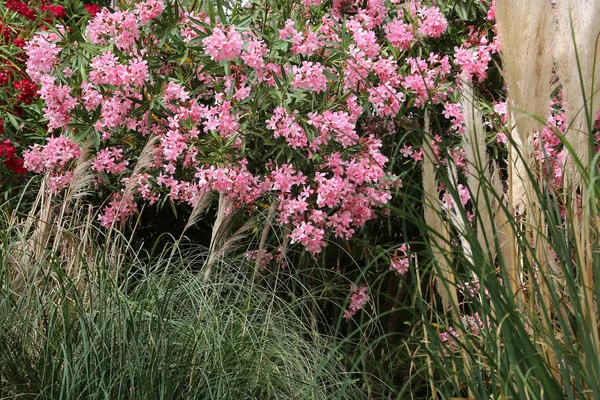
(37, 226)
(439, 235)
(71, 209)
(264, 236)
(576, 59)
(459, 219)
(576, 52)
(525, 29)
(221, 222)
(55, 235)
(82, 176)
(474, 144)
(144, 161)
(202, 203)
(487, 193)
(230, 243)
(221, 243)
(517, 173)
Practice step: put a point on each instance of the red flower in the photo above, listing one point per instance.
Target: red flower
(28, 90)
(15, 164)
(7, 149)
(19, 42)
(57, 11)
(93, 9)
(20, 8)
(11, 161)
(5, 32)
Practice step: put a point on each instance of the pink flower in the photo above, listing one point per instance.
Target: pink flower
(120, 28)
(42, 55)
(358, 300)
(473, 62)
(288, 30)
(222, 120)
(464, 194)
(224, 45)
(286, 177)
(309, 236)
(399, 34)
(110, 160)
(418, 155)
(401, 260)
(336, 123)
(285, 126)
(406, 151)
(341, 223)
(310, 76)
(148, 10)
(175, 92)
(118, 210)
(450, 338)
(306, 45)
(256, 51)
(58, 103)
(432, 23)
(137, 72)
(59, 181)
(386, 100)
(332, 191)
(365, 39)
(55, 154)
(491, 15)
(454, 113)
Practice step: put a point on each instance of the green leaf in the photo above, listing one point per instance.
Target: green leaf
(13, 121)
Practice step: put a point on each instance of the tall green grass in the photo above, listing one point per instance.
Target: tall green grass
(82, 315)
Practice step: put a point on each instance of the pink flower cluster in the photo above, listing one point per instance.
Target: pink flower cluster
(473, 62)
(426, 81)
(224, 45)
(310, 76)
(359, 298)
(118, 210)
(42, 55)
(59, 102)
(432, 22)
(400, 261)
(548, 147)
(120, 28)
(349, 189)
(54, 159)
(110, 160)
(338, 125)
(399, 34)
(285, 126)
